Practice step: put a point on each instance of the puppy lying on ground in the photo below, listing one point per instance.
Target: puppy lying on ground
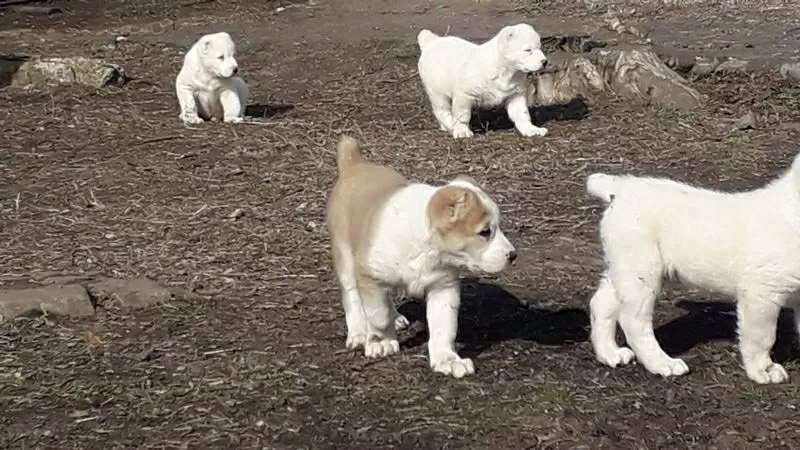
(459, 76)
(207, 85)
(745, 245)
(389, 234)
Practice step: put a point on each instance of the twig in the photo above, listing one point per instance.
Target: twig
(158, 139)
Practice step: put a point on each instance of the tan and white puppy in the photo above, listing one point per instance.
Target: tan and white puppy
(207, 85)
(460, 76)
(389, 234)
(745, 245)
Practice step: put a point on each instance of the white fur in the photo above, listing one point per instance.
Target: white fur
(207, 85)
(459, 76)
(403, 256)
(745, 245)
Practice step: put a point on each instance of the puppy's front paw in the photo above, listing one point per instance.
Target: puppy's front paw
(191, 119)
(455, 367)
(615, 357)
(774, 374)
(381, 348)
(233, 120)
(355, 340)
(401, 323)
(461, 131)
(670, 367)
(533, 131)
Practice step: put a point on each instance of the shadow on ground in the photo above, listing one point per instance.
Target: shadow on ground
(706, 322)
(490, 314)
(497, 118)
(265, 111)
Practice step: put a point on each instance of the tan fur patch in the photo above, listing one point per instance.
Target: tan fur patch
(360, 191)
(457, 215)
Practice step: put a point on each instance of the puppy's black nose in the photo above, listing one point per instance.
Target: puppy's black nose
(512, 256)
(544, 64)
(235, 70)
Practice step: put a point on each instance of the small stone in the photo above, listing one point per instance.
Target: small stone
(237, 213)
(747, 121)
(733, 65)
(704, 66)
(790, 70)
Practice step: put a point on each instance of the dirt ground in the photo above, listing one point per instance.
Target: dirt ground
(252, 354)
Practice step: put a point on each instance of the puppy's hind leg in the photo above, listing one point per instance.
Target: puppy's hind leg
(380, 315)
(351, 299)
(636, 272)
(604, 307)
(757, 314)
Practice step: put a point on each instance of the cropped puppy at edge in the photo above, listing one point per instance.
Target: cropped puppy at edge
(207, 85)
(460, 76)
(745, 245)
(390, 235)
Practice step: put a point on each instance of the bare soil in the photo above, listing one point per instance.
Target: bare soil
(109, 182)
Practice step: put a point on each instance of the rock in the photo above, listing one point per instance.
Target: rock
(733, 65)
(22, 71)
(66, 300)
(638, 73)
(579, 77)
(134, 293)
(790, 70)
(747, 121)
(704, 66)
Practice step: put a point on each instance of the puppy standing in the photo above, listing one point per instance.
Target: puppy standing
(207, 85)
(459, 76)
(745, 245)
(387, 233)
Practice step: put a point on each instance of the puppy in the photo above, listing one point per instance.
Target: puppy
(745, 245)
(459, 76)
(207, 85)
(388, 234)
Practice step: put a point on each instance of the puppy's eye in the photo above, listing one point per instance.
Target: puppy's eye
(486, 233)
(528, 50)
(221, 57)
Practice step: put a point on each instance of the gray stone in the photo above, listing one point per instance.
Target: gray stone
(22, 71)
(791, 70)
(135, 293)
(66, 300)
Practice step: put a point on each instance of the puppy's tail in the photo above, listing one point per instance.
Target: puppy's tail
(425, 37)
(348, 154)
(602, 186)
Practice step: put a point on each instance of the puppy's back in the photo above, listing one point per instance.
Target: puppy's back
(360, 192)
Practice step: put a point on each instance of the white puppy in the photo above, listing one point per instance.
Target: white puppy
(388, 234)
(459, 76)
(207, 85)
(745, 245)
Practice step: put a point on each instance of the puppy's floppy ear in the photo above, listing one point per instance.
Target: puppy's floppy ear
(205, 44)
(449, 205)
(506, 33)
